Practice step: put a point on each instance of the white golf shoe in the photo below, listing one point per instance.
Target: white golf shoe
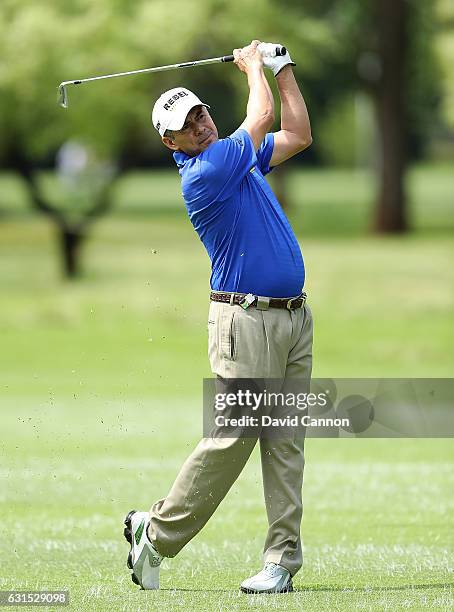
(143, 559)
(272, 579)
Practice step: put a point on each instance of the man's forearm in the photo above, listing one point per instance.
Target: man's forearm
(260, 102)
(268, 89)
(294, 115)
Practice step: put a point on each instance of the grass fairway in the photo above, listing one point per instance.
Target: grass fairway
(100, 398)
(378, 525)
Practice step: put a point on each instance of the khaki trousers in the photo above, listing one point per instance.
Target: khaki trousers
(252, 343)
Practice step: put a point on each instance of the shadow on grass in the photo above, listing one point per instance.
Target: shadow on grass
(374, 589)
(324, 589)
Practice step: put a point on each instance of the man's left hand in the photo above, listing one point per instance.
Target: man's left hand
(274, 63)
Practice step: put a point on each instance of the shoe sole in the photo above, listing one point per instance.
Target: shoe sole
(127, 532)
(287, 589)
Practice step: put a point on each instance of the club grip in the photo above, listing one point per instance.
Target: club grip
(279, 51)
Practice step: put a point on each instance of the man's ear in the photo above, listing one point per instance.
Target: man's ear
(169, 143)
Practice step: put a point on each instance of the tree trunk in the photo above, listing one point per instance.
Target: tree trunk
(390, 214)
(70, 242)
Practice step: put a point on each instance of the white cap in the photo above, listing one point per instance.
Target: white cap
(172, 108)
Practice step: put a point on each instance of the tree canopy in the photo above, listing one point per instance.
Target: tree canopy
(43, 44)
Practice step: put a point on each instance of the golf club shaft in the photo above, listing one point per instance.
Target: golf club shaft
(63, 98)
(213, 60)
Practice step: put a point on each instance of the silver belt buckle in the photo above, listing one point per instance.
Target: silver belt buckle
(263, 303)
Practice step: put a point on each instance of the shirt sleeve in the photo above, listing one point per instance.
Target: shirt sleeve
(265, 152)
(225, 163)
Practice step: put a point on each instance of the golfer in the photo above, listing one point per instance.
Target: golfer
(259, 324)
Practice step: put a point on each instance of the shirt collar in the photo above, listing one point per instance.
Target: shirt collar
(180, 158)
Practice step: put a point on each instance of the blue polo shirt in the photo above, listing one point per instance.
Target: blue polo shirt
(238, 218)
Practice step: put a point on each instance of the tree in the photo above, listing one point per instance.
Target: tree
(392, 27)
(444, 14)
(36, 50)
(385, 48)
(41, 45)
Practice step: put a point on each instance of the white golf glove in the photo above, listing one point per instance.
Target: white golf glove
(274, 63)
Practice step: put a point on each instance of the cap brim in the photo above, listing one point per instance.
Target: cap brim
(178, 121)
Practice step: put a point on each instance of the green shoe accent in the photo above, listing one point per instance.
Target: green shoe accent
(139, 532)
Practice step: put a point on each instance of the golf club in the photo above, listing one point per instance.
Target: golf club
(63, 94)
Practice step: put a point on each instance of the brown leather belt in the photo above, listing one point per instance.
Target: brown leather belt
(262, 303)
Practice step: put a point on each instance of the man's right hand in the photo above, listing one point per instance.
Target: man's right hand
(248, 57)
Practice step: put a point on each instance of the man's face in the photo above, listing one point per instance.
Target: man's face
(197, 133)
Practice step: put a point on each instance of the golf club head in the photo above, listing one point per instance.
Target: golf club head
(62, 95)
